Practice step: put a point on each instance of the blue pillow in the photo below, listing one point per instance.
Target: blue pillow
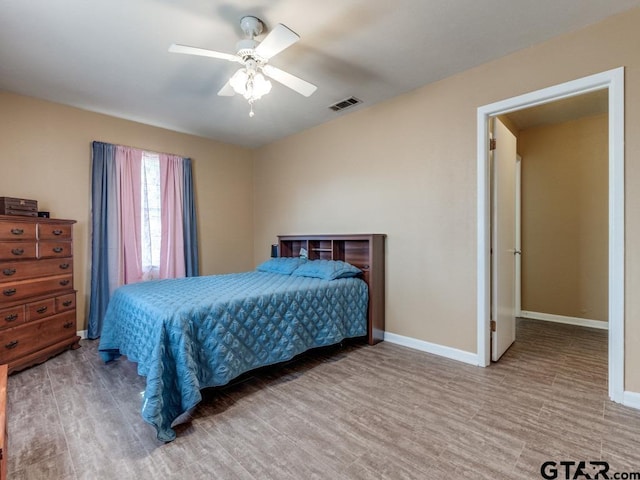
(283, 265)
(326, 269)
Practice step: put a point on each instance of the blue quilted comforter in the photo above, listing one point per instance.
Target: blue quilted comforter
(192, 333)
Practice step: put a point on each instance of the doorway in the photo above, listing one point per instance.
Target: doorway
(613, 81)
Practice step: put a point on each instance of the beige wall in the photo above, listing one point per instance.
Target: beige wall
(565, 218)
(45, 155)
(407, 168)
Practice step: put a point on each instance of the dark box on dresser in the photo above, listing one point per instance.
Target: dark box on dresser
(18, 206)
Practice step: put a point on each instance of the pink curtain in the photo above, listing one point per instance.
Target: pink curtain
(128, 163)
(172, 264)
(128, 167)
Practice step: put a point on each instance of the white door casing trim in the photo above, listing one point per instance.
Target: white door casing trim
(613, 80)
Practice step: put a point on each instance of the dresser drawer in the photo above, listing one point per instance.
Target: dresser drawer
(32, 336)
(18, 341)
(65, 302)
(54, 249)
(12, 291)
(52, 231)
(17, 250)
(17, 231)
(12, 271)
(40, 309)
(60, 327)
(10, 317)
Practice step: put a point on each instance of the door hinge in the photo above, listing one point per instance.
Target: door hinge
(492, 144)
(493, 325)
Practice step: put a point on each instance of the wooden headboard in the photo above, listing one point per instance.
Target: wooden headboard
(365, 251)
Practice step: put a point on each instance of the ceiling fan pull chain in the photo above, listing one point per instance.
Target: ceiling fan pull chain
(251, 114)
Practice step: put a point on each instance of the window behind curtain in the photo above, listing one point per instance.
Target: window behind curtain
(150, 215)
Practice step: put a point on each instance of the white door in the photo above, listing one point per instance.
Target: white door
(503, 241)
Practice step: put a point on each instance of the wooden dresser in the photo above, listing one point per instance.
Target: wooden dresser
(37, 298)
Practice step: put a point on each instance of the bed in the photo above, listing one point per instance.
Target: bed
(192, 333)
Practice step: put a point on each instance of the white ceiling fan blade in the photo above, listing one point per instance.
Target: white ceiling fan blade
(174, 48)
(278, 39)
(227, 90)
(294, 83)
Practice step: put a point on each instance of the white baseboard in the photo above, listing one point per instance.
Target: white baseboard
(82, 334)
(448, 352)
(631, 399)
(548, 317)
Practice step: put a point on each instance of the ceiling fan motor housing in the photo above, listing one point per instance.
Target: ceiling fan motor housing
(252, 27)
(247, 51)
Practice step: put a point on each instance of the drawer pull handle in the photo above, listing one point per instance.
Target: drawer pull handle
(66, 303)
(11, 318)
(57, 232)
(64, 283)
(12, 344)
(17, 231)
(8, 271)
(41, 309)
(17, 251)
(7, 292)
(64, 266)
(58, 249)
(68, 325)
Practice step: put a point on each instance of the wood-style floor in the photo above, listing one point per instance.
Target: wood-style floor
(358, 412)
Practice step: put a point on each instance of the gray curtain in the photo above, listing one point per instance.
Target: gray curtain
(102, 192)
(191, 256)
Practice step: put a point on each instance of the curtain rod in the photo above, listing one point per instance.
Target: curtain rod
(143, 149)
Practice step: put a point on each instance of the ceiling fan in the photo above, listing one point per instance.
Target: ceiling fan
(254, 56)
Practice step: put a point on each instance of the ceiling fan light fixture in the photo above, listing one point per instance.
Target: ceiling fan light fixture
(250, 84)
(239, 81)
(259, 86)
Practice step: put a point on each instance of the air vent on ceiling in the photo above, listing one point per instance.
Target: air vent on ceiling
(346, 103)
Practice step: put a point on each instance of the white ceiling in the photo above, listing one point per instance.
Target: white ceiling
(110, 56)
